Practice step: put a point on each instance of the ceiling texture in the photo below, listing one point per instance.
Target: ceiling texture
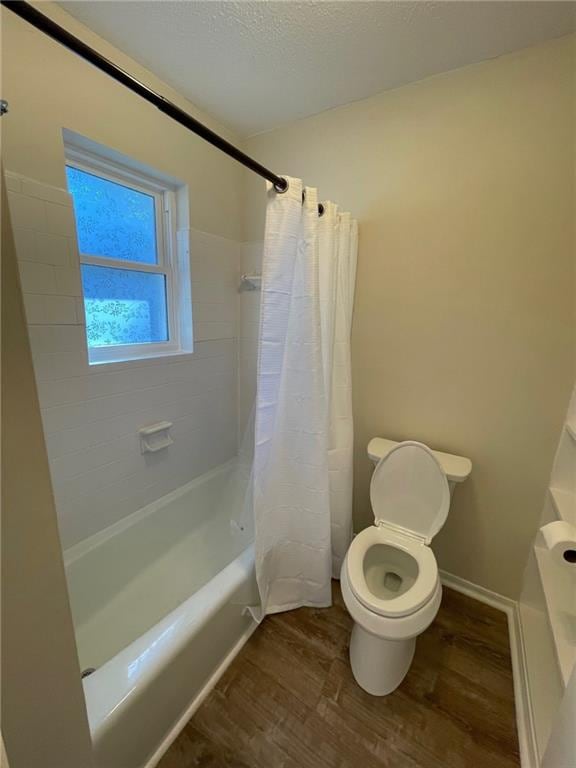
(257, 65)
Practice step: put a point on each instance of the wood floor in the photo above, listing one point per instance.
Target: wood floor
(289, 699)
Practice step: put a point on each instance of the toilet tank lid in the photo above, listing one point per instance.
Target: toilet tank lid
(457, 468)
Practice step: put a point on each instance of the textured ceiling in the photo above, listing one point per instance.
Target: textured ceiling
(257, 65)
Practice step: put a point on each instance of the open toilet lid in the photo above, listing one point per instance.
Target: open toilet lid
(409, 491)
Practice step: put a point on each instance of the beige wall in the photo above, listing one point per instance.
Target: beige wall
(49, 88)
(464, 318)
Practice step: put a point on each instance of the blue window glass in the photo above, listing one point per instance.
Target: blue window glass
(124, 306)
(112, 220)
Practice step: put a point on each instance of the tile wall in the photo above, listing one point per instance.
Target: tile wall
(92, 414)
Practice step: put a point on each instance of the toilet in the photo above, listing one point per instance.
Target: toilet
(389, 578)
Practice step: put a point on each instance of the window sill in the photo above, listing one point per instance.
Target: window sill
(140, 361)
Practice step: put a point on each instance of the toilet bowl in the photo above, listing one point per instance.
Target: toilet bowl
(389, 577)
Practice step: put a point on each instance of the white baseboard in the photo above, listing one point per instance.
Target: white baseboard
(199, 698)
(524, 718)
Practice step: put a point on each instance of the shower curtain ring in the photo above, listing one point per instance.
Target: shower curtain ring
(281, 188)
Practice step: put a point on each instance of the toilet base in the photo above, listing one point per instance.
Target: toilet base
(379, 665)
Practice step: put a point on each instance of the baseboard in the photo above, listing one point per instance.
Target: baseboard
(524, 718)
(199, 698)
(479, 593)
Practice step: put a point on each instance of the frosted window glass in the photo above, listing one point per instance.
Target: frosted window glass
(113, 221)
(124, 306)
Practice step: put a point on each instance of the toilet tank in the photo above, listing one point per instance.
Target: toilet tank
(457, 468)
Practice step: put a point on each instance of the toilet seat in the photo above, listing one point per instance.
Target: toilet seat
(416, 596)
(410, 499)
(409, 491)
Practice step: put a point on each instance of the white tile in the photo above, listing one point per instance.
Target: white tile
(250, 307)
(59, 219)
(94, 480)
(213, 292)
(249, 329)
(248, 356)
(214, 258)
(13, 182)
(34, 309)
(27, 212)
(62, 417)
(215, 347)
(67, 467)
(42, 247)
(62, 391)
(34, 188)
(215, 330)
(251, 257)
(37, 278)
(210, 268)
(92, 413)
(53, 249)
(25, 243)
(68, 281)
(57, 338)
(80, 314)
(108, 492)
(216, 311)
(60, 365)
(80, 438)
(60, 310)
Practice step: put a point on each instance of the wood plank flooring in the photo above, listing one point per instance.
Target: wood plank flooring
(289, 699)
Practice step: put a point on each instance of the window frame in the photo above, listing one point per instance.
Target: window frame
(166, 264)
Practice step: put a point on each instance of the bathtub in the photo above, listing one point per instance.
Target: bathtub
(159, 603)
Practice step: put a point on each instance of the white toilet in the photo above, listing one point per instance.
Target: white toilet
(389, 577)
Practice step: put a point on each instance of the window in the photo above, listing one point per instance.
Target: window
(126, 240)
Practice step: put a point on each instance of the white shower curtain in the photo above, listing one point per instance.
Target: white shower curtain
(341, 446)
(303, 384)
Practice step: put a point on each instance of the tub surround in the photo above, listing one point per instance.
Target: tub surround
(92, 413)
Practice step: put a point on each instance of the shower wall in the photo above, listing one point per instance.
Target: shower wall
(249, 307)
(92, 414)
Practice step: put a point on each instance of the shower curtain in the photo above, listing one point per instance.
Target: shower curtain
(302, 475)
(341, 445)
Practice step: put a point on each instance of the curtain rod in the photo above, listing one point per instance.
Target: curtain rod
(27, 12)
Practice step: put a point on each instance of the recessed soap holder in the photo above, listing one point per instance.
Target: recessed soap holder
(155, 437)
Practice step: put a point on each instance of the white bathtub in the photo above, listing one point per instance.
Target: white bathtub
(159, 604)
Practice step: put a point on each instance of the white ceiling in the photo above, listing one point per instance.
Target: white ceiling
(257, 65)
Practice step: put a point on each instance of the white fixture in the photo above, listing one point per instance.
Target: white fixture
(456, 468)
(558, 573)
(155, 437)
(250, 282)
(389, 577)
